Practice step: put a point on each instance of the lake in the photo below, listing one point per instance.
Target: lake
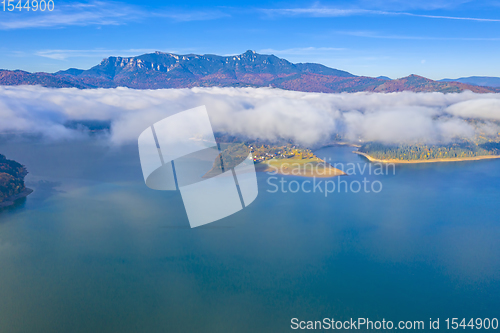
(94, 250)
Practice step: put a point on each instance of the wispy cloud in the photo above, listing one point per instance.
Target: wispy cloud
(404, 5)
(316, 11)
(450, 17)
(99, 13)
(187, 16)
(373, 34)
(320, 11)
(75, 14)
(306, 118)
(66, 54)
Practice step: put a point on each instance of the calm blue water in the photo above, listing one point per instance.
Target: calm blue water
(94, 250)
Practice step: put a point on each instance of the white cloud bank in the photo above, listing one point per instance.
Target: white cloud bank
(306, 118)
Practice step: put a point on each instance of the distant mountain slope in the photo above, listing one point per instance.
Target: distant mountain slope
(165, 70)
(17, 77)
(11, 179)
(12, 78)
(485, 81)
(421, 84)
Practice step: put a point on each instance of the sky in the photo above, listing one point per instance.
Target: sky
(436, 39)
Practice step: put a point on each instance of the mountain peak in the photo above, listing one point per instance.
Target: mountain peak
(414, 76)
(191, 66)
(158, 70)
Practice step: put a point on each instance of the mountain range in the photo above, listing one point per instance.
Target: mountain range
(486, 81)
(166, 70)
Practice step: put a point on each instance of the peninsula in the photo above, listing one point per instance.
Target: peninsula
(435, 160)
(284, 159)
(290, 160)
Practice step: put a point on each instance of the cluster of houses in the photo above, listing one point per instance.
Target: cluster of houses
(266, 153)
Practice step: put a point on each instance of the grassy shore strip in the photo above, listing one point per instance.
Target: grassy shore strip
(436, 160)
(311, 167)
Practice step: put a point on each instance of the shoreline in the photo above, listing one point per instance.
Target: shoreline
(11, 200)
(438, 160)
(326, 171)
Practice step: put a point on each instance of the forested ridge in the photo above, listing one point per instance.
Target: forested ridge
(12, 176)
(406, 152)
(485, 142)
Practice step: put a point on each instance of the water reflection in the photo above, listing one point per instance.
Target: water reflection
(93, 249)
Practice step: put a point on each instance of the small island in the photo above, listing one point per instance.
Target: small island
(12, 185)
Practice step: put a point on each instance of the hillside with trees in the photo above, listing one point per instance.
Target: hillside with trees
(12, 176)
(404, 152)
(161, 70)
(483, 144)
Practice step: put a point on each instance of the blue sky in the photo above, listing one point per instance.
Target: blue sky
(436, 39)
